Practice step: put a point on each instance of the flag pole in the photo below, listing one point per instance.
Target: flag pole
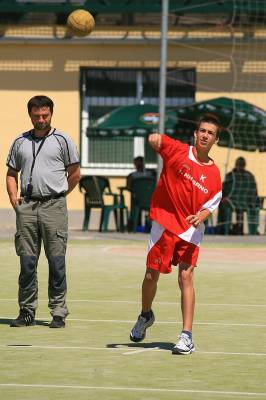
(163, 71)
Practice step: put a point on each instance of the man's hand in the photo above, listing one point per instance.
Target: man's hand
(198, 218)
(15, 201)
(194, 220)
(12, 187)
(155, 141)
(73, 176)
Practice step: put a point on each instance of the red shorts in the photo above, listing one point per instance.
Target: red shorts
(166, 249)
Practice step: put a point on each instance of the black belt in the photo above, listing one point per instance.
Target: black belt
(46, 198)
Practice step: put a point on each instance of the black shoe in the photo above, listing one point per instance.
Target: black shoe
(24, 319)
(57, 322)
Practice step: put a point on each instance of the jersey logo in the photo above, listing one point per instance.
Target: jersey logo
(202, 178)
(186, 166)
(195, 183)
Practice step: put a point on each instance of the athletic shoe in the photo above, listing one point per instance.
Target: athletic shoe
(24, 319)
(57, 322)
(139, 330)
(184, 345)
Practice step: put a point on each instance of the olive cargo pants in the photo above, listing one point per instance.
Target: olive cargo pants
(45, 222)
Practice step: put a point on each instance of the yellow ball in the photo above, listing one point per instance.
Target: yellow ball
(80, 23)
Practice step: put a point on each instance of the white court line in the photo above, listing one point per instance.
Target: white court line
(108, 248)
(133, 389)
(29, 347)
(168, 322)
(228, 353)
(129, 353)
(115, 321)
(174, 303)
(123, 348)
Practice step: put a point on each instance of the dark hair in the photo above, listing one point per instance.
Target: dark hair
(240, 162)
(139, 158)
(211, 119)
(40, 101)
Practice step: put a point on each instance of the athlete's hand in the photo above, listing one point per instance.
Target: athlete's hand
(155, 141)
(194, 220)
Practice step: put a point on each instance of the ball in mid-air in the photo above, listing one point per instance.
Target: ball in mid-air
(80, 23)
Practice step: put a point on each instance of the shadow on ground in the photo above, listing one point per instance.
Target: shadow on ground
(7, 321)
(152, 345)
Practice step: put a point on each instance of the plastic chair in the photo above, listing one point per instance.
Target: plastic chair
(95, 188)
(141, 191)
(262, 207)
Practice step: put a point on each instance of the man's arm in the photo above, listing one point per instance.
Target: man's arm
(73, 176)
(12, 186)
(155, 141)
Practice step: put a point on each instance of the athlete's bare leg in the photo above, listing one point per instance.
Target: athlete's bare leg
(149, 288)
(185, 280)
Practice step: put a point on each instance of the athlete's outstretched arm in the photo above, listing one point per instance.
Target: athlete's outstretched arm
(155, 141)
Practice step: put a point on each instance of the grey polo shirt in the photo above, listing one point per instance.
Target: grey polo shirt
(49, 173)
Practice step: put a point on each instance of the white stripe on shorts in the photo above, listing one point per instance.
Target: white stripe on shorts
(156, 233)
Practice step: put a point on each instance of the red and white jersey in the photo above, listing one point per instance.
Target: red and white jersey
(185, 187)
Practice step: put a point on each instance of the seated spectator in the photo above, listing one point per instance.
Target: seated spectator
(239, 195)
(140, 170)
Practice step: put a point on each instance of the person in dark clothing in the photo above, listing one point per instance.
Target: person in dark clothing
(140, 172)
(239, 196)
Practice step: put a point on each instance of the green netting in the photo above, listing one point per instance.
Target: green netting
(243, 124)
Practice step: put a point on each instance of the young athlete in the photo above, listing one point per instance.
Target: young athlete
(188, 191)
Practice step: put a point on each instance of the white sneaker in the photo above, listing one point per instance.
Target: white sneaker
(184, 345)
(139, 329)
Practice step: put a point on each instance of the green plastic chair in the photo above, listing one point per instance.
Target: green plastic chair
(95, 188)
(240, 193)
(141, 191)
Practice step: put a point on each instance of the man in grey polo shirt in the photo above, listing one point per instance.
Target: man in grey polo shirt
(48, 163)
